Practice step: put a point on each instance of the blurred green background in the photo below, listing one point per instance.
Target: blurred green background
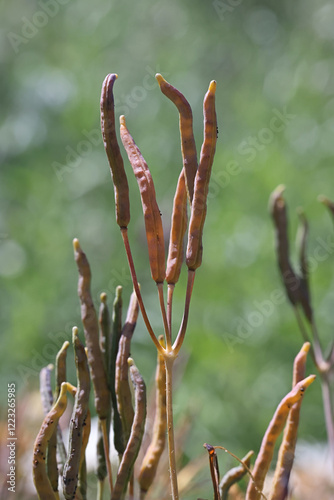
(274, 67)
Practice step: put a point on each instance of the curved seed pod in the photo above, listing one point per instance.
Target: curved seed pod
(234, 475)
(123, 391)
(41, 480)
(121, 188)
(60, 378)
(153, 223)
(82, 479)
(274, 429)
(198, 208)
(91, 329)
(305, 296)
(78, 420)
(152, 456)
(136, 436)
(188, 146)
(214, 469)
(279, 489)
(177, 232)
(277, 208)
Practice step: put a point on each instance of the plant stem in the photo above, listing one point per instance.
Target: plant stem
(169, 361)
(170, 291)
(328, 410)
(124, 233)
(180, 336)
(163, 312)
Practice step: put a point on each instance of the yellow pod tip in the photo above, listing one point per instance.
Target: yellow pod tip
(50, 366)
(103, 297)
(122, 121)
(309, 380)
(76, 245)
(306, 347)
(160, 79)
(130, 362)
(74, 332)
(212, 86)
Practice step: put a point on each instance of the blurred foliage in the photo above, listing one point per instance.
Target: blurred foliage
(271, 60)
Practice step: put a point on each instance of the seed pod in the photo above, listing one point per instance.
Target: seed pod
(60, 378)
(234, 475)
(123, 391)
(153, 223)
(45, 388)
(82, 479)
(136, 436)
(121, 188)
(291, 281)
(178, 229)
(78, 420)
(40, 477)
(105, 326)
(274, 429)
(279, 489)
(188, 146)
(91, 330)
(152, 456)
(214, 469)
(198, 207)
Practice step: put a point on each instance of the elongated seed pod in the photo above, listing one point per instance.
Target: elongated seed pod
(279, 489)
(123, 391)
(136, 436)
(91, 330)
(291, 281)
(234, 475)
(305, 296)
(40, 477)
(198, 207)
(153, 223)
(177, 232)
(214, 469)
(78, 420)
(60, 378)
(45, 388)
(274, 429)
(152, 456)
(188, 146)
(121, 188)
(82, 479)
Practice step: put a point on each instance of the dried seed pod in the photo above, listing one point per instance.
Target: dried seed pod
(305, 296)
(274, 429)
(188, 146)
(115, 159)
(123, 391)
(279, 489)
(82, 479)
(177, 232)
(198, 207)
(153, 223)
(137, 431)
(60, 378)
(234, 475)
(152, 456)
(277, 209)
(91, 330)
(78, 420)
(214, 469)
(40, 477)
(45, 388)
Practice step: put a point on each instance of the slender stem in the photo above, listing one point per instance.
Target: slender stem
(180, 336)
(304, 333)
(170, 426)
(124, 232)
(164, 315)
(317, 347)
(103, 423)
(170, 291)
(328, 410)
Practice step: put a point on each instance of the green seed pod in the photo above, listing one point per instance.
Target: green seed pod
(188, 146)
(91, 330)
(115, 159)
(274, 429)
(201, 187)
(136, 436)
(78, 420)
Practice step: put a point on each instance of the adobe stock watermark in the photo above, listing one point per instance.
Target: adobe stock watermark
(224, 8)
(248, 149)
(91, 139)
(246, 326)
(30, 27)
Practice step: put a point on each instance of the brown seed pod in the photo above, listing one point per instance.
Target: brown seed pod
(177, 232)
(115, 159)
(198, 208)
(78, 420)
(234, 475)
(279, 489)
(274, 429)
(153, 223)
(188, 146)
(91, 330)
(152, 456)
(214, 469)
